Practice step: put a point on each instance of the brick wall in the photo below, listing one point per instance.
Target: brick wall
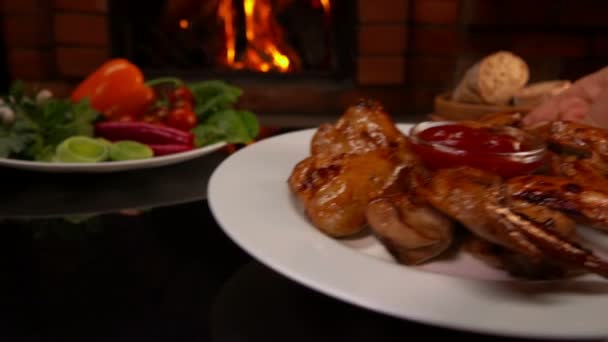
(408, 50)
(51, 41)
(382, 38)
(559, 39)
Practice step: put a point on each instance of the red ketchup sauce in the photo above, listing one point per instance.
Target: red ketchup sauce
(454, 145)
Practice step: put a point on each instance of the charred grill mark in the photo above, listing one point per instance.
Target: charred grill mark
(548, 198)
(306, 185)
(568, 251)
(548, 223)
(575, 149)
(318, 176)
(572, 188)
(533, 239)
(511, 222)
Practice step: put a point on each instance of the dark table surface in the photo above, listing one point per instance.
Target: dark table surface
(137, 256)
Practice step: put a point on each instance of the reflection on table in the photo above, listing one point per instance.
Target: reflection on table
(36, 194)
(166, 274)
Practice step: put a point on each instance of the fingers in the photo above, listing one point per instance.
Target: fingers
(561, 107)
(566, 106)
(586, 100)
(573, 109)
(598, 112)
(548, 111)
(590, 86)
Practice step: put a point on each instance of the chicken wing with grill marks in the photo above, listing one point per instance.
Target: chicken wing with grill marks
(574, 138)
(591, 171)
(361, 157)
(516, 264)
(546, 217)
(583, 201)
(336, 194)
(362, 128)
(481, 203)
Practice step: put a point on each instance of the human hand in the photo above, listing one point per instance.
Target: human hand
(585, 101)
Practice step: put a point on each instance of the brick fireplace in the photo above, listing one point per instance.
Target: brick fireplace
(405, 53)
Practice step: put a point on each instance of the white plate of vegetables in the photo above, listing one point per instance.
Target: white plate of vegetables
(114, 121)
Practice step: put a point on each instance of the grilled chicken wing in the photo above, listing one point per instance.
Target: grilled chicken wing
(361, 157)
(362, 128)
(562, 194)
(591, 171)
(462, 194)
(335, 193)
(412, 232)
(481, 203)
(516, 264)
(574, 138)
(546, 217)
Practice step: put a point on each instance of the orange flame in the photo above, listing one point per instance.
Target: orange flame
(184, 24)
(248, 5)
(266, 48)
(225, 11)
(326, 6)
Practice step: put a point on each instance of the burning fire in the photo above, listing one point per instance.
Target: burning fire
(266, 47)
(326, 6)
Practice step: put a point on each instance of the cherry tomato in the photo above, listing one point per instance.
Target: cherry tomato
(182, 93)
(159, 112)
(183, 104)
(182, 118)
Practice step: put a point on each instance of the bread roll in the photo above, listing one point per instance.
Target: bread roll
(493, 80)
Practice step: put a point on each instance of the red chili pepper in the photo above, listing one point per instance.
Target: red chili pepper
(164, 149)
(143, 132)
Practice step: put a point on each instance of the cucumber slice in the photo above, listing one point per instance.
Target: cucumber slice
(129, 150)
(105, 141)
(80, 149)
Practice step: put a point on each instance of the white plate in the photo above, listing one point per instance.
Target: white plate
(112, 166)
(249, 197)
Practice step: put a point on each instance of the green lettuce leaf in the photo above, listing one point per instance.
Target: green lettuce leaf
(206, 135)
(230, 125)
(211, 96)
(219, 121)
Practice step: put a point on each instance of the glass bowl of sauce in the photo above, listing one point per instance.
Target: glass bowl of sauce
(506, 151)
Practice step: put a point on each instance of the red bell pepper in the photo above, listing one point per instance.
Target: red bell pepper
(116, 89)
